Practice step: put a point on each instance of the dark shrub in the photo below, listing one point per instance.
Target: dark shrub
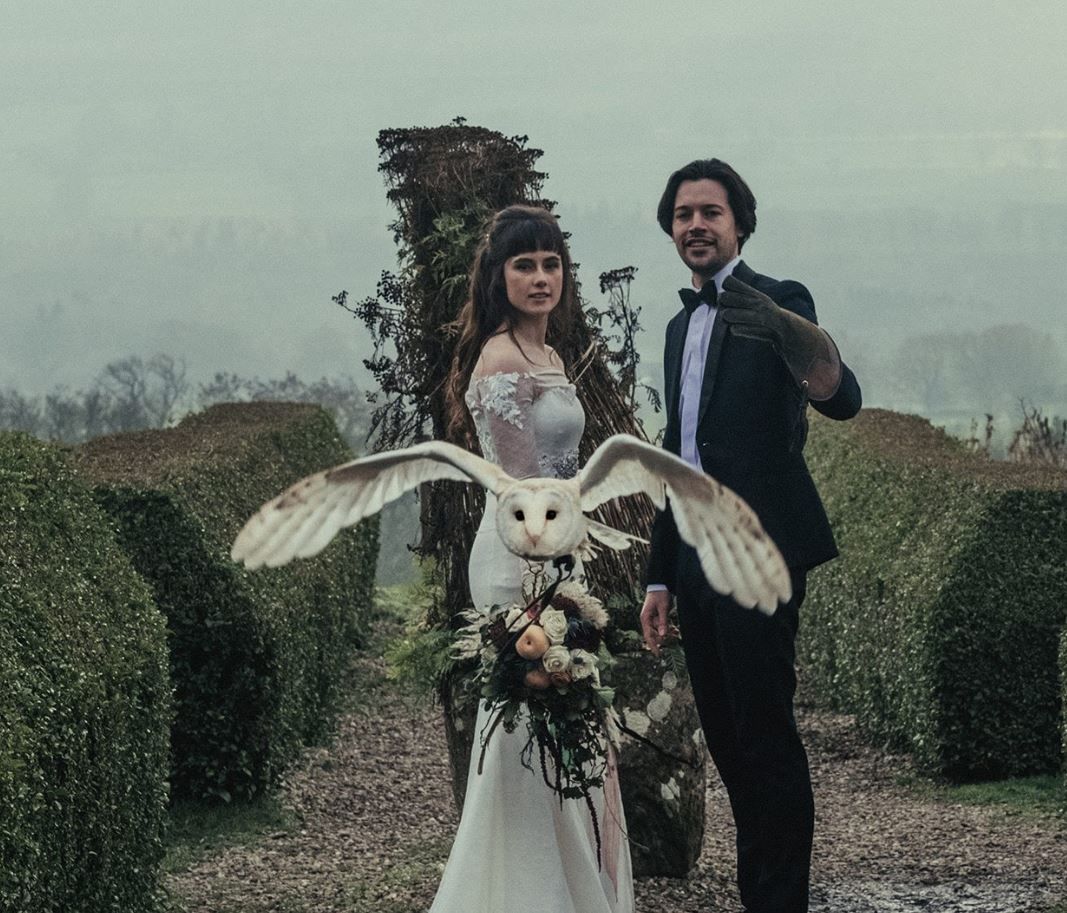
(257, 657)
(85, 704)
(939, 625)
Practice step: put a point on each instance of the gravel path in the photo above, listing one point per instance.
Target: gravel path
(375, 821)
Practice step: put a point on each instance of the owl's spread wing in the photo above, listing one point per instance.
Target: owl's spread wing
(302, 520)
(737, 556)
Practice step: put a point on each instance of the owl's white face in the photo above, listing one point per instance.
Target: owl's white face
(541, 518)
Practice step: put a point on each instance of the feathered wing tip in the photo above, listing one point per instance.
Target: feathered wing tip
(280, 528)
(302, 520)
(613, 538)
(737, 556)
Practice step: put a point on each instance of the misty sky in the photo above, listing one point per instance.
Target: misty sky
(201, 178)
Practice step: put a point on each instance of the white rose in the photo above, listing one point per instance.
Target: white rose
(555, 624)
(511, 619)
(583, 663)
(556, 659)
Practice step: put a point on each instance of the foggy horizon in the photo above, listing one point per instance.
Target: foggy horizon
(201, 182)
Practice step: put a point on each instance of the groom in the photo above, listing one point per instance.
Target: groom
(743, 358)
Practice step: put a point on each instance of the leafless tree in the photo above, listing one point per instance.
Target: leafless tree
(166, 389)
(144, 394)
(20, 413)
(64, 415)
(96, 409)
(126, 382)
(1040, 439)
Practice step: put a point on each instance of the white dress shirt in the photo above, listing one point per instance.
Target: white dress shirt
(694, 360)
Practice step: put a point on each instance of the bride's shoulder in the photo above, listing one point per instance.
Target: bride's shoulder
(500, 355)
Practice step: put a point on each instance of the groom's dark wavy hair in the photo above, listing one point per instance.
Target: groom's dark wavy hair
(742, 201)
(515, 230)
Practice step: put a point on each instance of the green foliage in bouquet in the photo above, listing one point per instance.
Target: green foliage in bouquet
(85, 699)
(257, 658)
(940, 624)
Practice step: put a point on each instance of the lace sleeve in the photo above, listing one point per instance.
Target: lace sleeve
(500, 405)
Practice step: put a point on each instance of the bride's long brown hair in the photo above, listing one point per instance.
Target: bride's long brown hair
(514, 230)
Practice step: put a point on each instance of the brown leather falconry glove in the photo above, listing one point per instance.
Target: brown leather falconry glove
(807, 350)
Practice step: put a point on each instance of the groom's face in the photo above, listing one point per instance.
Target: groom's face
(703, 229)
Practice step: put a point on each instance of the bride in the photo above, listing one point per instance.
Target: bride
(517, 844)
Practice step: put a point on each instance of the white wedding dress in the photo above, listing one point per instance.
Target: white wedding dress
(517, 848)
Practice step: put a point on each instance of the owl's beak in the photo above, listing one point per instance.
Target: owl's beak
(535, 527)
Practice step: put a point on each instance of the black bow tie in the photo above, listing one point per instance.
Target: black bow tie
(692, 299)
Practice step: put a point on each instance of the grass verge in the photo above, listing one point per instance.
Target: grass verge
(199, 829)
(1039, 797)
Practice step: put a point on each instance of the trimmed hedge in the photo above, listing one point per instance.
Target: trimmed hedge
(84, 699)
(257, 658)
(1063, 703)
(939, 626)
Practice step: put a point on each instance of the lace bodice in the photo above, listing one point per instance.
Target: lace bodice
(529, 424)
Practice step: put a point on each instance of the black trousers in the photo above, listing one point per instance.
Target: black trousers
(742, 666)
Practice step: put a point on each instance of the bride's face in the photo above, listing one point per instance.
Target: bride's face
(534, 281)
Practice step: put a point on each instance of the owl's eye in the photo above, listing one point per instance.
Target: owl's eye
(551, 515)
(520, 516)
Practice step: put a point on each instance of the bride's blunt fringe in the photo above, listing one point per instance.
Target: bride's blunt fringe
(514, 230)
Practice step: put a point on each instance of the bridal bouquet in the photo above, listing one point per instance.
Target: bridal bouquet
(547, 657)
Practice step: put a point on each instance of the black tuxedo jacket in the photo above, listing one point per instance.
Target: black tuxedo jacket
(751, 432)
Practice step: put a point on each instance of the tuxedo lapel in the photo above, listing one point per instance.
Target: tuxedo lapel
(718, 336)
(711, 366)
(744, 272)
(672, 370)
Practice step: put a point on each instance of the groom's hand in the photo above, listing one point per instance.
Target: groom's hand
(750, 313)
(807, 350)
(654, 626)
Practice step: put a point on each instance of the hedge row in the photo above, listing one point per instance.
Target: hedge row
(257, 658)
(84, 699)
(1063, 703)
(939, 626)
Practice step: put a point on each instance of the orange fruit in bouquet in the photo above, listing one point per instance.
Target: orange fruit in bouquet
(532, 643)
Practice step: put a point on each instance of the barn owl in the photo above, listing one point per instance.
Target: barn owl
(536, 518)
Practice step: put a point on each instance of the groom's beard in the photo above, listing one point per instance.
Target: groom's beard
(706, 268)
